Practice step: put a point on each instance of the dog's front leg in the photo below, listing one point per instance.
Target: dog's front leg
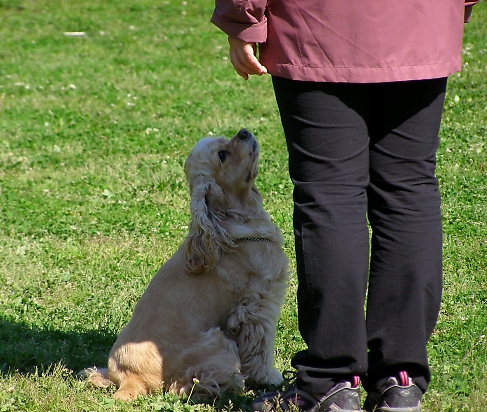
(252, 325)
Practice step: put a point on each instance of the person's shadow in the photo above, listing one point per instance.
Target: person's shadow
(24, 349)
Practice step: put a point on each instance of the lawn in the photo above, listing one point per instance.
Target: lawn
(94, 132)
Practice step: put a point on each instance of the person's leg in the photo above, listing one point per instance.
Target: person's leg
(328, 144)
(404, 212)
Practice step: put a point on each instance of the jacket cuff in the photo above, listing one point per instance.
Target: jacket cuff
(249, 33)
(468, 9)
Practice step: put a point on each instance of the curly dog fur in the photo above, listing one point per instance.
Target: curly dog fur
(206, 323)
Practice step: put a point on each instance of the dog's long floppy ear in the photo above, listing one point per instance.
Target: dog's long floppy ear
(207, 239)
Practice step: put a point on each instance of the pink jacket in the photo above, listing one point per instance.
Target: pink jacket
(358, 41)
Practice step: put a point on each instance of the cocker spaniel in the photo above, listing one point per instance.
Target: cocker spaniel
(206, 323)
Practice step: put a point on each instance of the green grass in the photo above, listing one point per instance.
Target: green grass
(94, 131)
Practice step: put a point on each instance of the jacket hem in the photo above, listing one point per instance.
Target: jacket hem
(363, 74)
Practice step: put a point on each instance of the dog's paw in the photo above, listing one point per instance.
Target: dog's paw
(269, 379)
(274, 377)
(125, 395)
(95, 377)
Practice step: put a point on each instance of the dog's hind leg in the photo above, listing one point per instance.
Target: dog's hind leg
(213, 367)
(136, 369)
(131, 386)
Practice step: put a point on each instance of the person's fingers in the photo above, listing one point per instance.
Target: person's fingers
(247, 56)
(242, 57)
(238, 64)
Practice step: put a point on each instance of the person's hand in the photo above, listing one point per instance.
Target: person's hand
(243, 59)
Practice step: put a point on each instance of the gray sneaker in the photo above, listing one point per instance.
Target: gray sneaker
(397, 395)
(343, 397)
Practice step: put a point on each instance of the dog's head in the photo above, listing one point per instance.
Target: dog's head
(221, 175)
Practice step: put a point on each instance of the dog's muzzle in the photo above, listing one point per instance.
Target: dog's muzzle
(244, 134)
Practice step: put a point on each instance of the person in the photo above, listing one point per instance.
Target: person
(360, 87)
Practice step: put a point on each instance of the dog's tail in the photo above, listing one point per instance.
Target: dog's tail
(96, 377)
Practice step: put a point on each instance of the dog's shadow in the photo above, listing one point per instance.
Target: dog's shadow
(25, 349)
(28, 349)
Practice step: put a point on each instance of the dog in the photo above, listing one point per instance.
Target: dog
(207, 321)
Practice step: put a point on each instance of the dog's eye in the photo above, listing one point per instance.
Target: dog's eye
(222, 154)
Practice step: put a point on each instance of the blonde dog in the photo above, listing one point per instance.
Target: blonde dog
(206, 323)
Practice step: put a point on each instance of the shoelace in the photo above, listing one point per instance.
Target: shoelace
(289, 377)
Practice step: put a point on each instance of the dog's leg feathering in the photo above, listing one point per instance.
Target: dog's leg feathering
(253, 326)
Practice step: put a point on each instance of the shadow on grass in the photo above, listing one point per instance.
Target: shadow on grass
(24, 349)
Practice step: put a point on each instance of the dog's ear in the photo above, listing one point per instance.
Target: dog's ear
(207, 238)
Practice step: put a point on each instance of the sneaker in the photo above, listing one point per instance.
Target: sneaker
(343, 397)
(397, 395)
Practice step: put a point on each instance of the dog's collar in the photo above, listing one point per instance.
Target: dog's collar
(253, 239)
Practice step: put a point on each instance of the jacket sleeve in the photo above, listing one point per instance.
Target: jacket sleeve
(468, 9)
(242, 19)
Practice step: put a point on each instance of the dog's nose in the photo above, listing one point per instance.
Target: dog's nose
(244, 134)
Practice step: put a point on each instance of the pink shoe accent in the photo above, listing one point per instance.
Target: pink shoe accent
(356, 382)
(404, 377)
(297, 400)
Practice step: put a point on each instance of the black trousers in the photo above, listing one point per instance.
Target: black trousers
(358, 152)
